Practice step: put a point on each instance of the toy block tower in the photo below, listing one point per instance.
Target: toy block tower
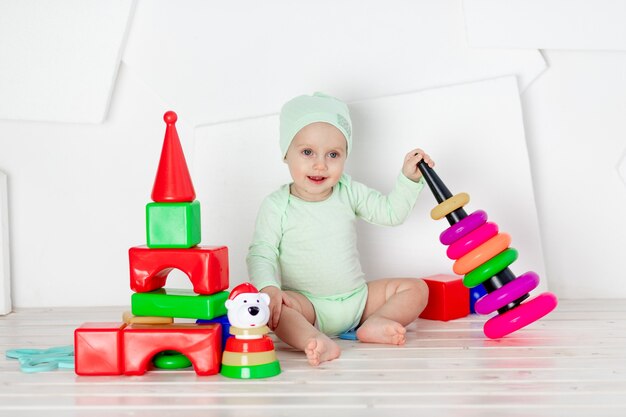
(172, 241)
(172, 235)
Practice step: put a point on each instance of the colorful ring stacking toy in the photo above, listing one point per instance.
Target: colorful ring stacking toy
(483, 255)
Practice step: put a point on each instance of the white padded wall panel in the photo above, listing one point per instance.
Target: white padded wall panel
(60, 58)
(546, 24)
(5, 265)
(218, 61)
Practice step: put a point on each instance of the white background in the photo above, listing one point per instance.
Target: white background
(77, 191)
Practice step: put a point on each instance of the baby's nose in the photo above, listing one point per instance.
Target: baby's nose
(253, 311)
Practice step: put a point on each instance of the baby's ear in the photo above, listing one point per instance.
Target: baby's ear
(265, 298)
(228, 304)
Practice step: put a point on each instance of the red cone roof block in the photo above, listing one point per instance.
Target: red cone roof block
(172, 182)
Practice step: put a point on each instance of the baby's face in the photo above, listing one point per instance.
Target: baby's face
(316, 158)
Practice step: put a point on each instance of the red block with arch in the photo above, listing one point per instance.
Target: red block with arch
(206, 267)
(201, 344)
(448, 298)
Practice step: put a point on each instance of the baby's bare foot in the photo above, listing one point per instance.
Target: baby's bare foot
(381, 330)
(320, 349)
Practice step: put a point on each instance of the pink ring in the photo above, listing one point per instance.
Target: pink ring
(472, 240)
(508, 293)
(463, 227)
(521, 316)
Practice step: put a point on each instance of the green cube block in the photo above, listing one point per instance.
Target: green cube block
(179, 303)
(173, 225)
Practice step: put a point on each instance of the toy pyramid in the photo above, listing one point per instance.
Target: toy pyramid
(149, 332)
(249, 352)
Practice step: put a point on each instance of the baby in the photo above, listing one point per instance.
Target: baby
(304, 249)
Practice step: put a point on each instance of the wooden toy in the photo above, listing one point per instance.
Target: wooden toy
(200, 344)
(178, 303)
(173, 225)
(206, 267)
(98, 349)
(448, 298)
(172, 182)
(484, 256)
(128, 318)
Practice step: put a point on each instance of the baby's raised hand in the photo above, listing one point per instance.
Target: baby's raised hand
(276, 304)
(410, 169)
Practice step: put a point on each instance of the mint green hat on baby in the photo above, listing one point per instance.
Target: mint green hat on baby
(304, 110)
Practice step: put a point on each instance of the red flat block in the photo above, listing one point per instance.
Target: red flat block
(98, 349)
(448, 298)
(200, 343)
(206, 267)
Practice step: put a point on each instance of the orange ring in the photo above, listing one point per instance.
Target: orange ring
(448, 206)
(481, 254)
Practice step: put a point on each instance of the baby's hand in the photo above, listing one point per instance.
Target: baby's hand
(276, 304)
(410, 169)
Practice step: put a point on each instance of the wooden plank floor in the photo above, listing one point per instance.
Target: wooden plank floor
(571, 363)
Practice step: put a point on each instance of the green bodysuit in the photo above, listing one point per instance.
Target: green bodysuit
(311, 247)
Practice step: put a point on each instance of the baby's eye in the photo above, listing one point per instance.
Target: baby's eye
(334, 155)
(307, 152)
(245, 301)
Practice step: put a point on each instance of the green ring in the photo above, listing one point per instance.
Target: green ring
(171, 359)
(251, 372)
(490, 268)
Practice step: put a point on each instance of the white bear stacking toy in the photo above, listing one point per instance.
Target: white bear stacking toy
(249, 352)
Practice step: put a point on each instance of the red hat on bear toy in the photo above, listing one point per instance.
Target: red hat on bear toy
(246, 287)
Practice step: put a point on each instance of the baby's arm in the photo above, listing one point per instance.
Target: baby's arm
(262, 258)
(394, 208)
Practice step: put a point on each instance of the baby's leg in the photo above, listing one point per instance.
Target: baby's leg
(391, 304)
(295, 328)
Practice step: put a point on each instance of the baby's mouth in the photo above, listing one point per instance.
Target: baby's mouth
(316, 179)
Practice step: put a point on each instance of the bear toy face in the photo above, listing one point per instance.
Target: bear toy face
(249, 310)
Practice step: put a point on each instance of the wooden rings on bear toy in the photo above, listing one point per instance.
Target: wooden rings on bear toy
(448, 206)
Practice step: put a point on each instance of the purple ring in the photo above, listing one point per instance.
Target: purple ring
(508, 293)
(463, 227)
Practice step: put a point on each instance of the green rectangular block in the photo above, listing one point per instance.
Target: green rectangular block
(179, 303)
(173, 225)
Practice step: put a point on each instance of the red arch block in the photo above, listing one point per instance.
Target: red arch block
(206, 267)
(201, 344)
